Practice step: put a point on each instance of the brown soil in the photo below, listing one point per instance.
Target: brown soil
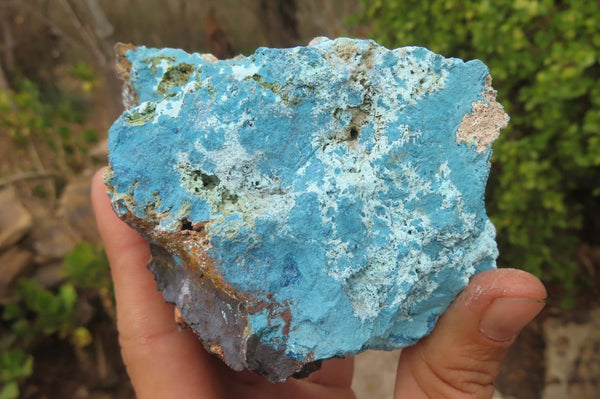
(95, 372)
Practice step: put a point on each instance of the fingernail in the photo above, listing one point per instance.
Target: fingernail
(506, 317)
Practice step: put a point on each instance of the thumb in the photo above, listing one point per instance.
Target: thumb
(462, 356)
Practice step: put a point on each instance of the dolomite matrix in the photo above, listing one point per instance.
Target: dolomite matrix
(306, 203)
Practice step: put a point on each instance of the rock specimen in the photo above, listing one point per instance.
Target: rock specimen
(306, 203)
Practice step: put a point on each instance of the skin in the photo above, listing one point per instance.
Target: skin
(459, 359)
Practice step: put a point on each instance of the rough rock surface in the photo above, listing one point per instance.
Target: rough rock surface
(52, 239)
(13, 263)
(306, 203)
(572, 356)
(15, 220)
(75, 208)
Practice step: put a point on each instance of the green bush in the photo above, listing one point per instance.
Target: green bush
(544, 190)
(37, 313)
(41, 312)
(86, 266)
(48, 126)
(15, 365)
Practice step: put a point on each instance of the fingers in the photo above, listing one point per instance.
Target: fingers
(461, 358)
(333, 380)
(140, 304)
(161, 360)
(334, 372)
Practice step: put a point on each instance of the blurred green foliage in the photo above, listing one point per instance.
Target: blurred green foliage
(544, 191)
(40, 312)
(49, 124)
(15, 366)
(22, 112)
(46, 128)
(86, 266)
(86, 76)
(37, 313)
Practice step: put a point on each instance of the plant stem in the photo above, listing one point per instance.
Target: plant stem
(27, 176)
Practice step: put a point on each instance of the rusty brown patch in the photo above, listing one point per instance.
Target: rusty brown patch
(276, 310)
(191, 245)
(217, 350)
(179, 320)
(286, 315)
(123, 67)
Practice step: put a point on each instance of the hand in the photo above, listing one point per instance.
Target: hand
(460, 359)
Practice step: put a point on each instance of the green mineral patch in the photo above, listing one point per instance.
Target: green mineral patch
(153, 62)
(277, 88)
(139, 116)
(206, 83)
(175, 76)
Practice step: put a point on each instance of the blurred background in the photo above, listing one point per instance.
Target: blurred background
(59, 95)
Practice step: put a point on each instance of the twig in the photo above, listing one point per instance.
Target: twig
(61, 156)
(101, 362)
(102, 25)
(9, 45)
(47, 21)
(3, 80)
(85, 34)
(28, 176)
(37, 160)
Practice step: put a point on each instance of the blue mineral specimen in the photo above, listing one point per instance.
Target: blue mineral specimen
(311, 202)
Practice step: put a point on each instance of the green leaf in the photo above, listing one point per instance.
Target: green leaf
(91, 135)
(86, 266)
(12, 311)
(10, 391)
(15, 364)
(81, 337)
(68, 296)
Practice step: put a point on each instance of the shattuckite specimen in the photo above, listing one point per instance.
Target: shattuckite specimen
(306, 203)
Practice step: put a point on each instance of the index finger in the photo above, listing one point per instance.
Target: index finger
(161, 360)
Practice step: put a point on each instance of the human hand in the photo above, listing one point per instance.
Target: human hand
(460, 359)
